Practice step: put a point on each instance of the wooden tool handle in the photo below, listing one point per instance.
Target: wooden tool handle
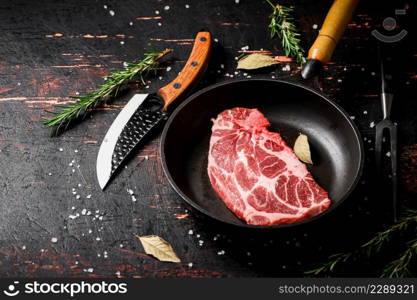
(193, 69)
(333, 27)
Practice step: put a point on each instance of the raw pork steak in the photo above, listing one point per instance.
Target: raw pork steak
(257, 175)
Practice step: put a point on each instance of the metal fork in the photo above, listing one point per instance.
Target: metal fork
(386, 125)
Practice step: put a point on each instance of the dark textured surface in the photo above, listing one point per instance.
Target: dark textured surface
(51, 50)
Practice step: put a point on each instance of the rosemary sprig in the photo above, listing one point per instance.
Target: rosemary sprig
(282, 25)
(400, 267)
(114, 82)
(395, 268)
(329, 266)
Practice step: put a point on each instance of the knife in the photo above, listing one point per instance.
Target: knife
(144, 111)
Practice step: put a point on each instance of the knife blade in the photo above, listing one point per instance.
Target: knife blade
(144, 112)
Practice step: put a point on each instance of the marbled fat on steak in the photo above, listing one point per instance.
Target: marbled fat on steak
(257, 175)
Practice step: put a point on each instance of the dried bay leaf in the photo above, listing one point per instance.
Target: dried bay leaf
(302, 149)
(255, 61)
(158, 248)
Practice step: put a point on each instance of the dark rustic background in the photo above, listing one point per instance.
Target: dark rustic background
(54, 219)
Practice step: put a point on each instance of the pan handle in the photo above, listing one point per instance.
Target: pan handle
(192, 71)
(332, 30)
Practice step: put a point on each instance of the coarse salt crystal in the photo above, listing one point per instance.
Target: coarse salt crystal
(77, 197)
(166, 7)
(372, 124)
(111, 12)
(84, 211)
(168, 69)
(315, 26)
(105, 6)
(388, 154)
(54, 240)
(88, 196)
(130, 191)
(190, 232)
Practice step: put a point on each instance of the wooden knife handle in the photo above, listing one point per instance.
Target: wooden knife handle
(333, 27)
(193, 69)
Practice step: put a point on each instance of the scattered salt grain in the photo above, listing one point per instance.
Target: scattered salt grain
(221, 252)
(79, 185)
(134, 198)
(100, 218)
(190, 265)
(18, 83)
(131, 23)
(388, 154)
(23, 247)
(166, 7)
(373, 73)
(90, 270)
(365, 112)
(339, 80)
(121, 245)
(352, 117)
(72, 217)
(83, 212)
(190, 232)
(54, 240)
(97, 211)
(88, 196)
(111, 12)
(50, 174)
(73, 207)
(122, 42)
(88, 213)
(77, 197)
(157, 12)
(105, 6)
(98, 239)
(117, 273)
(315, 26)
(76, 151)
(130, 191)
(372, 124)
(168, 69)
(197, 235)
(216, 40)
(60, 149)
(90, 231)
(187, 6)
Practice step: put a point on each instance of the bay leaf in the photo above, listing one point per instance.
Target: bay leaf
(158, 248)
(255, 61)
(302, 149)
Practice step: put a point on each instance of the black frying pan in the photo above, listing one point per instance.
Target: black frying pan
(291, 108)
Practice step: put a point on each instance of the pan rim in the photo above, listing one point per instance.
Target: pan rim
(202, 210)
